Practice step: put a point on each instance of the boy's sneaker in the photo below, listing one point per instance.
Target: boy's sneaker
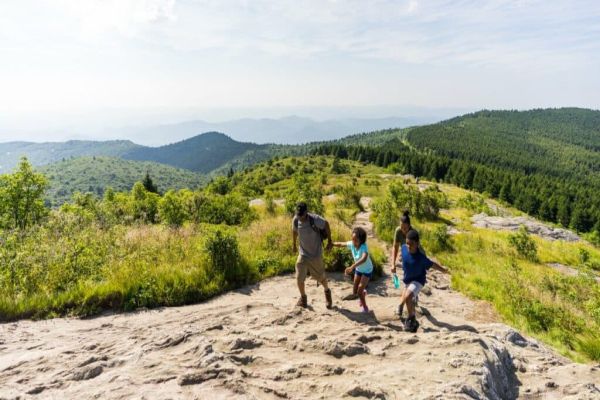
(411, 324)
(302, 302)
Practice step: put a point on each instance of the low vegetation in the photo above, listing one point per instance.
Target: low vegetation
(137, 248)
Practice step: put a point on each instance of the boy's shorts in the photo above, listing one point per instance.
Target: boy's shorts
(360, 274)
(414, 287)
(315, 266)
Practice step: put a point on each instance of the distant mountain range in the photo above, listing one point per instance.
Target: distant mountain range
(287, 130)
(202, 153)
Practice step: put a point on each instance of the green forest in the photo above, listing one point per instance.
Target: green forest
(546, 163)
(95, 174)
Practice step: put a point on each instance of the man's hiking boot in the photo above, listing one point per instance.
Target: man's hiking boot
(302, 301)
(328, 300)
(411, 324)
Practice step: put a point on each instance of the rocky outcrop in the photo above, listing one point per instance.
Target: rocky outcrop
(514, 223)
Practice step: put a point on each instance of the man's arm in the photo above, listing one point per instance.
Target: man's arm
(294, 240)
(328, 232)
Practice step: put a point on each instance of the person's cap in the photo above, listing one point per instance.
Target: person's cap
(301, 209)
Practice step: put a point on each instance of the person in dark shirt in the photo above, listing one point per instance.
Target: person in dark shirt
(415, 265)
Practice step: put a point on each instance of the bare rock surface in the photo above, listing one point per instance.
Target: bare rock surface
(514, 223)
(254, 343)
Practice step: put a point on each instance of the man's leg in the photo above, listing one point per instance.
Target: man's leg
(301, 271)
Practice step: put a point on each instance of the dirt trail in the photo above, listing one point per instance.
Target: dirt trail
(253, 343)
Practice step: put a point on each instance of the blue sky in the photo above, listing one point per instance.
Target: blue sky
(67, 57)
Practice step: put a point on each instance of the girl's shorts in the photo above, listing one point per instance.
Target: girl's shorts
(361, 274)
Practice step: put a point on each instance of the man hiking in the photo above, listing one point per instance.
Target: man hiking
(310, 229)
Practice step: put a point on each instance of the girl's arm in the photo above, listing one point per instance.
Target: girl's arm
(361, 260)
(339, 244)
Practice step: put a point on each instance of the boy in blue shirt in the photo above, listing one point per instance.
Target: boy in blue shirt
(362, 267)
(415, 265)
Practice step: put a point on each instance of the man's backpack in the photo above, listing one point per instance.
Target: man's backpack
(311, 220)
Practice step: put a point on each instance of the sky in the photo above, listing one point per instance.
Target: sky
(67, 63)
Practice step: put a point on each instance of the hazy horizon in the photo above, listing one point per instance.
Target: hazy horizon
(91, 68)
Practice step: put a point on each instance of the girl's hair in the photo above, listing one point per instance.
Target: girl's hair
(405, 218)
(361, 234)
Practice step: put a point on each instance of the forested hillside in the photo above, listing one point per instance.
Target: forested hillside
(562, 143)
(545, 162)
(47, 153)
(96, 174)
(202, 153)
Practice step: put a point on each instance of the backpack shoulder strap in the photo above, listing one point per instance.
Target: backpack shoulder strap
(311, 221)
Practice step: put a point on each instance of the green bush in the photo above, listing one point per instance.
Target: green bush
(523, 244)
(386, 216)
(475, 203)
(306, 190)
(440, 239)
(222, 249)
(425, 204)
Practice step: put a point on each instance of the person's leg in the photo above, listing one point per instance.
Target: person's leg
(356, 283)
(301, 271)
(364, 281)
(317, 271)
(402, 301)
(410, 304)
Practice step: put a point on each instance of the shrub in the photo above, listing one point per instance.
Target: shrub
(222, 249)
(425, 204)
(524, 245)
(171, 209)
(440, 239)
(386, 216)
(351, 197)
(308, 191)
(474, 203)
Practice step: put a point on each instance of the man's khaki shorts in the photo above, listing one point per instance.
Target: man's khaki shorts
(315, 266)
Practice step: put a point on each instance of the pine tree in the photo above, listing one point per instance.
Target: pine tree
(148, 184)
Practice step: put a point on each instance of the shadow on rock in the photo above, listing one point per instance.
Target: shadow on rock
(450, 327)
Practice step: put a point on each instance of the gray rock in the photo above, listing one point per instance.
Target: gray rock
(340, 349)
(359, 391)
(246, 344)
(87, 373)
(516, 338)
(514, 223)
